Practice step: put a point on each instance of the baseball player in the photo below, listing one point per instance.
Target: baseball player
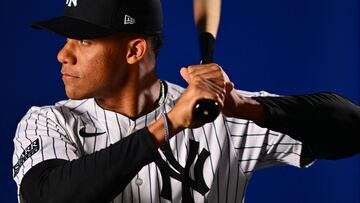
(126, 136)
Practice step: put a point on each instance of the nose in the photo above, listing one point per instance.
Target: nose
(66, 54)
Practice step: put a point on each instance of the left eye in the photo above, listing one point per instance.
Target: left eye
(85, 42)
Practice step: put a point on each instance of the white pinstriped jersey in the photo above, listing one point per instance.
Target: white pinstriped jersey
(225, 152)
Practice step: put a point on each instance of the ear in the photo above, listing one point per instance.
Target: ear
(136, 50)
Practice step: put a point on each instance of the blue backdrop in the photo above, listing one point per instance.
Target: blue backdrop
(280, 46)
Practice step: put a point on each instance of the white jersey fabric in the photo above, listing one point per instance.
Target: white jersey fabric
(227, 151)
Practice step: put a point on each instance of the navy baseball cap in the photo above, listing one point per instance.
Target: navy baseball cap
(89, 19)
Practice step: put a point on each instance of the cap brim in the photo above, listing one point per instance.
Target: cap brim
(73, 28)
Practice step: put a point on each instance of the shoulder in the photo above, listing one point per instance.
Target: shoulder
(59, 112)
(60, 106)
(75, 107)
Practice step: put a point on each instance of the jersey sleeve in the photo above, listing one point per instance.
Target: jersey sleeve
(40, 136)
(258, 147)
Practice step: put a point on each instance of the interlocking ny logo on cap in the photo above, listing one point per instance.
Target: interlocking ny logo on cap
(73, 2)
(129, 20)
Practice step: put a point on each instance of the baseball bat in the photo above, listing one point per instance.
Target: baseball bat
(207, 17)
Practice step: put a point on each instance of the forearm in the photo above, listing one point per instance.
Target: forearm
(326, 122)
(97, 177)
(247, 108)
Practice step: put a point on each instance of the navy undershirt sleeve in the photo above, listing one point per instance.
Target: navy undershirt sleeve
(328, 124)
(97, 177)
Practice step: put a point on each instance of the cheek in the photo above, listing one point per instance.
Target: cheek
(113, 68)
(102, 70)
(93, 67)
(103, 74)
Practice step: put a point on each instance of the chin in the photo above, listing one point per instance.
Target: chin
(76, 96)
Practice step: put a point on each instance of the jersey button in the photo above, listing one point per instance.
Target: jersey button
(138, 181)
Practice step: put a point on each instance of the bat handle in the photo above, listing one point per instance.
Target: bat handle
(206, 110)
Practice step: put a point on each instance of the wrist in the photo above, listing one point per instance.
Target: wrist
(174, 126)
(163, 129)
(251, 109)
(243, 107)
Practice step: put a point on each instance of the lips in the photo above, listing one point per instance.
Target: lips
(68, 76)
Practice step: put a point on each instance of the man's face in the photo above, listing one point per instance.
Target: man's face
(94, 68)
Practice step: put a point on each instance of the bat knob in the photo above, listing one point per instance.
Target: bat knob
(206, 110)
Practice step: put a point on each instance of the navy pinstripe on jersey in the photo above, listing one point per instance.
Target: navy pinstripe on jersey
(212, 163)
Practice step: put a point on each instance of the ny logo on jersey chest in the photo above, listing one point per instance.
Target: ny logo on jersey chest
(182, 174)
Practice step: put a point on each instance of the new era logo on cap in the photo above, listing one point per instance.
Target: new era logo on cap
(128, 20)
